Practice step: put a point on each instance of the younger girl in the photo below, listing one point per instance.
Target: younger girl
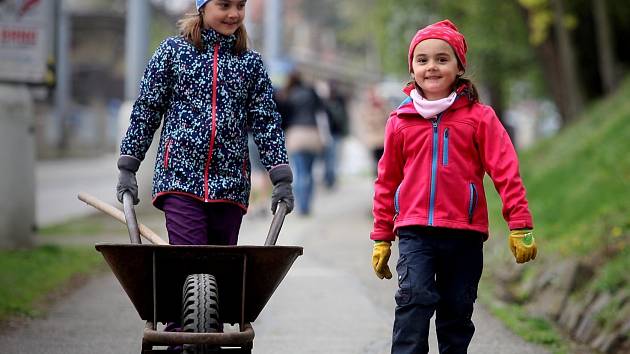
(208, 90)
(429, 192)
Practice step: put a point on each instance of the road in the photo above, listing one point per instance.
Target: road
(330, 302)
(59, 181)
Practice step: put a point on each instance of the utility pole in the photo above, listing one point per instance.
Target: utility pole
(273, 36)
(136, 45)
(62, 73)
(136, 54)
(17, 157)
(24, 50)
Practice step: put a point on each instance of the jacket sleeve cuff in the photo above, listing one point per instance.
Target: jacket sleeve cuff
(129, 163)
(520, 224)
(281, 173)
(382, 236)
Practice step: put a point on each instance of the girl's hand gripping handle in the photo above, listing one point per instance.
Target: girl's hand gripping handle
(281, 178)
(127, 167)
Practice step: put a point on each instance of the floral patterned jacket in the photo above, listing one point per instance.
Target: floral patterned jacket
(208, 101)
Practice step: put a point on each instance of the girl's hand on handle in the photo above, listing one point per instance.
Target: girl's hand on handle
(127, 167)
(523, 245)
(281, 178)
(380, 257)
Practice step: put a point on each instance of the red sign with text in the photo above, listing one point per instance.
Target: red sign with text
(25, 39)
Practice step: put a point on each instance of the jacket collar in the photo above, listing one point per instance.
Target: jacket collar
(408, 109)
(210, 37)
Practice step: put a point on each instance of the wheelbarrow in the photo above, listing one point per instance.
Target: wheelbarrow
(202, 287)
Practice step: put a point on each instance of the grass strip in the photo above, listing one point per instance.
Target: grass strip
(84, 225)
(27, 277)
(532, 329)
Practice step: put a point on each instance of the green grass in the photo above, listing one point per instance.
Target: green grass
(577, 182)
(612, 276)
(532, 329)
(89, 225)
(577, 186)
(28, 276)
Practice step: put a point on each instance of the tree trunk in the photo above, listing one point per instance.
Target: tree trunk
(605, 49)
(566, 57)
(547, 55)
(495, 96)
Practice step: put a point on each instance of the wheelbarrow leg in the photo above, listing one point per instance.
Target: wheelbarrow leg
(247, 348)
(146, 348)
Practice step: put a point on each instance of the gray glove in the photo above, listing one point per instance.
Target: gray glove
(281, 178)
(127, 167)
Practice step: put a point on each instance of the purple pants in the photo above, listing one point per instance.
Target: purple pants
(192, 222)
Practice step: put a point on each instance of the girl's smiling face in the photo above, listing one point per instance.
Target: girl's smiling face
(435, 68)
(224, 16)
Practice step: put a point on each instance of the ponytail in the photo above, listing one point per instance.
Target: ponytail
(470, 91)
(191, 25)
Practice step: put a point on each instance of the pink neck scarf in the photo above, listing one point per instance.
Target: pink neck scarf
(429, 109)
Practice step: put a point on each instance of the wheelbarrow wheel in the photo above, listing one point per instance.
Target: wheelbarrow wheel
(200, 310)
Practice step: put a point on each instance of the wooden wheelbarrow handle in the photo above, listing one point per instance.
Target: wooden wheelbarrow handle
(120, 216)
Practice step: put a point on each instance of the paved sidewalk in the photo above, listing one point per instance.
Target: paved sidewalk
(59, 181)
(349, 309)
(330, 301)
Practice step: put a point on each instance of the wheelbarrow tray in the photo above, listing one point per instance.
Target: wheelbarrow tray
(153, 276)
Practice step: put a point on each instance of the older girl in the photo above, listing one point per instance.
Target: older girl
(208, 90)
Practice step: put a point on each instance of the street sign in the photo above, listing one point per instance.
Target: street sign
(26, 40)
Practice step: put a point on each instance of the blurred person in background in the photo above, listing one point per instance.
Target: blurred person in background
(261, 185)
(208, 90)
(429, 192)
(304, 136)
(335, 105)
(373, 115)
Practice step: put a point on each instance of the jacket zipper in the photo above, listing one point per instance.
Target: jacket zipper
(472, 204)
(434, 166)
(167, 149)
(397, 203)
(445, 148)
(214, 118)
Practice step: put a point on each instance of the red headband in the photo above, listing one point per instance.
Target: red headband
(446, 31)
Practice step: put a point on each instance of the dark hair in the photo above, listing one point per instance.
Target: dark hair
(293, 80)
(191, 25)
(470, 91)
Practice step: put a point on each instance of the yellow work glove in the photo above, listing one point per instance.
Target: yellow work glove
(380, 256)
(523, 245)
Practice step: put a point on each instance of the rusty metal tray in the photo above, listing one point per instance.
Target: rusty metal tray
(153, 276)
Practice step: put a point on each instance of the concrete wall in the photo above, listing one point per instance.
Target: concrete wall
(17, 161)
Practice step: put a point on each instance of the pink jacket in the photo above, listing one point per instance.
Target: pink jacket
(432, 170)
